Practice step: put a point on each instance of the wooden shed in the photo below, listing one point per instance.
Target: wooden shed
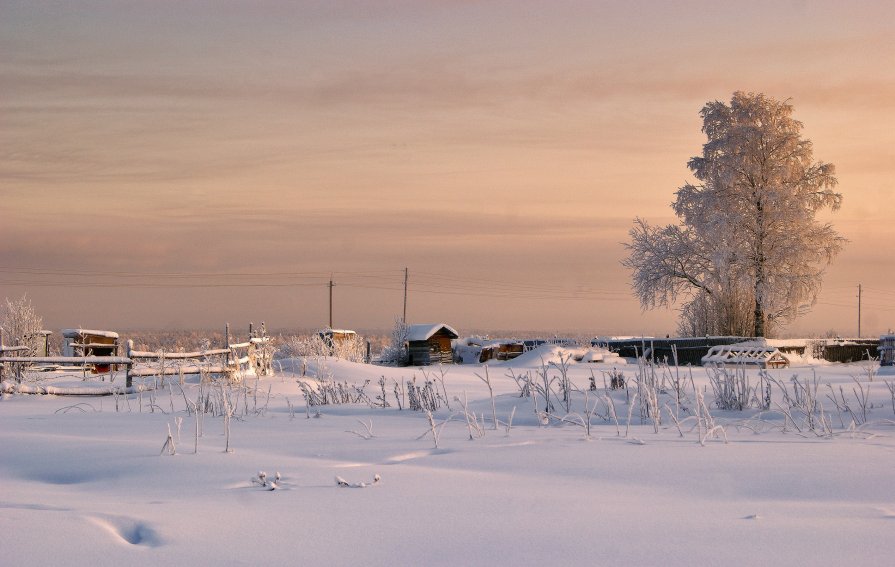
(430, 343)
(334, 337)
(90, 342)
(508, 350)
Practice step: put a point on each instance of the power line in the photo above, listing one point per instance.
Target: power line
(877, 290)
(152, 285)
(406, 277)
(132, 274)
(431, 283)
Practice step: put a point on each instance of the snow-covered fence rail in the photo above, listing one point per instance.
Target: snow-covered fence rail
(256, 353)
(22, 362)
(4, 370)
(161, 363)
(69, 360)
(233, 360)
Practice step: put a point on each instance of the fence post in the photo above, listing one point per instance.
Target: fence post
(129, 380)
(227, 345)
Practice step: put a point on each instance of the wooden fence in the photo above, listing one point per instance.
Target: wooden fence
(691, 350)
(233, 360)
(17, 364)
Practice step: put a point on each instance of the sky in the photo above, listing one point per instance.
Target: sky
(185, 164)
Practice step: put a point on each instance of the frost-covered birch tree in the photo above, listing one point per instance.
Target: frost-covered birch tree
(748, 253)
(19, 321)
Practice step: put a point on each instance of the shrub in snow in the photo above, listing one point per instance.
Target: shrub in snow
(345, 484)
(325, 390)
(352, 348)
(381, 396)
(19, 326)
(261, 480)
(169, 444)
(801, 408)
(487, 381)
(368, 430)
(434, 429)
(19, 321)
(395, 353)
(616, 379)
(891, 387)
(472, 423)
(439, 380)
(563, 381)
(423, 398)
(523, 382)
(734, 389)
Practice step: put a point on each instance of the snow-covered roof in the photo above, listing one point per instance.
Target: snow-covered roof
(483, 341)
(775, 343)
(744, 354)
(337, 332)
(424, 331)
(74, 333)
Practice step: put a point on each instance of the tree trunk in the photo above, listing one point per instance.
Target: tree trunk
(758, 330)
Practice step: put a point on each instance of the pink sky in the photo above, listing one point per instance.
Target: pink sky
(499, 150)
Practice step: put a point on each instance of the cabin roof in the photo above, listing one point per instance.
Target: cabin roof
(337, 332)
(424, 331)
(75, 333)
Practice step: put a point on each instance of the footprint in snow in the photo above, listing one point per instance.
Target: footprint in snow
(128, 530)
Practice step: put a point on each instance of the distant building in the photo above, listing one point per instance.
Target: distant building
(887, 350)
(481, 350)
(334, 337)
(430, 343)
(90, 342)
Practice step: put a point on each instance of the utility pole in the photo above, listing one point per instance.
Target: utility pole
(404, 317)
(331, 284)
(859, 311)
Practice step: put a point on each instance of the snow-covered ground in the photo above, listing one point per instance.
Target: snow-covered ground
(83, 481)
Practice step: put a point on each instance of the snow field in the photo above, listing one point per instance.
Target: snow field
(85, 484)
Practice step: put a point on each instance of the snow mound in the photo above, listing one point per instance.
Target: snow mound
(556, 354)
(544, 354)
(71, 389)
(602, 355)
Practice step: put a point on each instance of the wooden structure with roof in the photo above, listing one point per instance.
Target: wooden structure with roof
(90, 342)
(762, 356)
(430, 343)
(887, 350)
(334, 337)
